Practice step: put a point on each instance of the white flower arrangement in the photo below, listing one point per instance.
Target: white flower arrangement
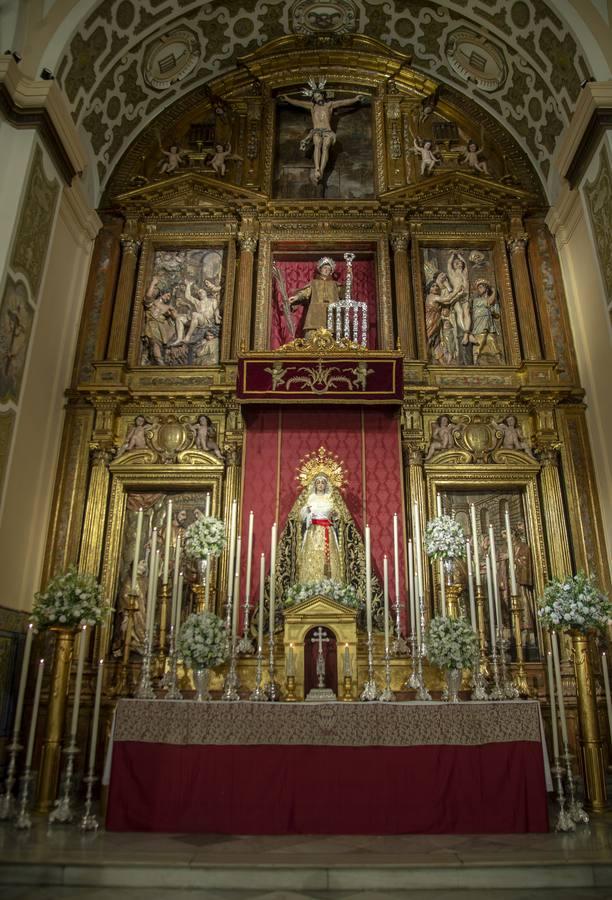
(343, 593)
(576, 602)
(202, 641)
(205, 537)
(444, 538)
(451, 643)
(71, 598)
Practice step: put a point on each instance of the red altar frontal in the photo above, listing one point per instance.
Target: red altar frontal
(250, 768)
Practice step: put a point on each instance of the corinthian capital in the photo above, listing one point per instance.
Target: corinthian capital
(247, 242)
(517, 244)
(400, 241)
(130, 246)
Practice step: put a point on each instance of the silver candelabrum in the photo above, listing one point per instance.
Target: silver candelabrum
(575, 810)
(496, 692)
(272, 688)
(63, 812)
(89, 822)
(339, 314)
(387, 695)
(370, 691)
(145, 688)
(259, 694)
(421, 691)
(479, 682)
(231, 685)
(171, 682)
(399, 647)
(245, 644)
(509, 689)
(23, 822)
(564, 820)
(7, 800)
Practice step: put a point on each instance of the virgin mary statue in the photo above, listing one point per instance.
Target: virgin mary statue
(320, 541)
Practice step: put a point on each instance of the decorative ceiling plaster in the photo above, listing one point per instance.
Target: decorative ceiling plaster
(527, 73)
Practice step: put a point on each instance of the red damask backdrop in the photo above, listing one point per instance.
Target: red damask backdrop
(298, 273)
(366, 440)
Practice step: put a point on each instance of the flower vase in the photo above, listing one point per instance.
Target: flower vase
(452, 588)
(201, 678)
(591, 744)
(453, 683)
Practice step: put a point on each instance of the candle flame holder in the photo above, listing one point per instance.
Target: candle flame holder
(347, 689)
(508, 687)
(387, 696)
(496, 692)
(479, 682)
(173, 692)
(290, 695)
(421, 691)
(145, 688)
(576, 810)
(23, 822)
(89, 821)
(258, 694)
(370, 691)
(564, 820)
(272, 688)
(7, 799)
(231, 685)
(63, 812)
(245, 644)
(399, 647)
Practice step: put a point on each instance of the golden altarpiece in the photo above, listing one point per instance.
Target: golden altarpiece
(215, 216)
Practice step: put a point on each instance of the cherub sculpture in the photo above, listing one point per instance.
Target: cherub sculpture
(471, 152)
(204, 434)
(442, 432)
(428, 156)
(174, 159)
(136, 437)
(512, 436)
(219, 156)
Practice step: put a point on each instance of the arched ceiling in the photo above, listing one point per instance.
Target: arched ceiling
(530, 61)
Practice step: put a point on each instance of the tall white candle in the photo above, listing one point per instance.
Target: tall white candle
(368, 562)
(167, 544)
(153, 597)
(207, 505)
(553, 706)
(411, 591)
(236, 601)
(346, 667)
(207, 584)
(442, 588)
(491, 602)
(418, 548)
(494, 576)
(511, 568)
(175, 577)
(179, 606)
(139, 520)
(78, 683)
(96, 716)
(396, 566)
(260, 611)
(249, 561)
(438, 504)
(23, 678)
(34, 717)
(606, 678)
(290, 667)
(470, 580)
(559, 685)
(475, 545)
(232, 552)
(152, 554)
(272, 579)
(386, 598)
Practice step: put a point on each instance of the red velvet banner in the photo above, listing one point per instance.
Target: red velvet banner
(488, 789)
(368, 443)
(353, 378)
(298, 273)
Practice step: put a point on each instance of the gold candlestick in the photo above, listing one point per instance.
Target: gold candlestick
(453, 592)
(120, 687)
(290, 696)
(347, 695)
(520, 677)
(482, 634)
(163, 617)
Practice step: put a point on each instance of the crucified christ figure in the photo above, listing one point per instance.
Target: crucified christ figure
(322, 135)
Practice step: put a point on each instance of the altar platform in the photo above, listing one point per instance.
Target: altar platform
(342, 768)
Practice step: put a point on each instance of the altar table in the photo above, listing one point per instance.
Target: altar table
(329, 768)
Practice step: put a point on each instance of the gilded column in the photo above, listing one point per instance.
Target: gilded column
(415, 491)
(554, 514)
(56, 711)
(123, 299)
(244, 293)
(233, 455)
(530, 340)
(591, 744)
(93, 525)
(403, 294)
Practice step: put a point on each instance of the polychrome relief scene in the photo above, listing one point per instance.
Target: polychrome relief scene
(463, 318)
(183, 308)
(16, 317)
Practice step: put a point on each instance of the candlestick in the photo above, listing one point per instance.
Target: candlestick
(346, 662)
(564, 821)
(272, 578)
(245, 645)
(421, 692)
(78, 683)
(387, 695)
(290, 664)
(7, 800)
(553, 706)
(89, 821)
(139, 520)
(173, 692)
(606, 680)
(438, 504)
(470, 581)
(175, 578)
(370, 691)
(559, 685)
(491, 602)
(150, 601)
(236, 600)
(145, 688)
(418, 548)
(179, 605)
(411, 591)
(230, 566)
(494, 575)
(258, 693)
(511, 567)
(368, 562)
(207, 505)
(386, 599)
(442, 587)
(475, 544)
(166, 568)
(23, 820)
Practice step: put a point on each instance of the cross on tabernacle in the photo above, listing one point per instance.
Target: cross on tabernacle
(320, 636)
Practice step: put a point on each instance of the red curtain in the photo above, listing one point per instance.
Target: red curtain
(366, 440)
(489, 789)
(298, 273)
(311, 652)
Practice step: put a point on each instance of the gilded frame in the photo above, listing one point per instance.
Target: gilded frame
(127, 476)
(486, 241)
(183, 241)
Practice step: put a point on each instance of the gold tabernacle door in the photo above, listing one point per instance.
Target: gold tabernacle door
(341, 620)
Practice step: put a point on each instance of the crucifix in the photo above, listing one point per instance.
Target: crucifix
(320, 636)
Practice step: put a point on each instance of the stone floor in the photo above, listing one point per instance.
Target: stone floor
(62, 864)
